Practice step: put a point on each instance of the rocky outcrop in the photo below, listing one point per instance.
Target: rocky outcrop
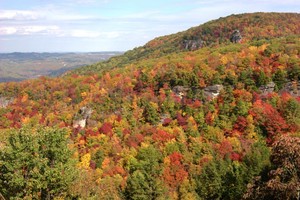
(211, 92)
(192, 45)
(236, 36)
(292, 88)
(5, 101)
(79, 123)
(82, 117)
(180, 91)
(267, 89)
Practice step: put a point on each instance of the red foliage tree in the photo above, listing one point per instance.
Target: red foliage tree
(162, 136)
(135, 140)
(240, 124)
(174, 174)
(224, 148)
(270, 119)
(106, 129)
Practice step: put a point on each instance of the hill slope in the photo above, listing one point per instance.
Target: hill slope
(218, 122)
(253, 26)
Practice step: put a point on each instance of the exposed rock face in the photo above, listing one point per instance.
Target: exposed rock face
(4, 102)
(82, 117)
(236, 37)
(212, 91)
(267, 89)
(180, 91)
(79, 123)
(192, 44)
(293, 88)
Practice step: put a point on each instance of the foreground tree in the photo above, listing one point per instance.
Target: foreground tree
(283, 180)
(36, 164)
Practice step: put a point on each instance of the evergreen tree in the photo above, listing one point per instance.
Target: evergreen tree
(36, 164)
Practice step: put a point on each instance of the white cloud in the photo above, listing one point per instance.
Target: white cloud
(19, 15)
(112, 34)
(63, 16)
(285, 2)
(47, 13)
(28, 30)
(84, 34)
(84, 1)
(212, 3)
(94, 34)
(7, 30)
(88, 2)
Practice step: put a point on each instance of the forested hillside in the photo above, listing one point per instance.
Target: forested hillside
(253, 26)
(209, 113)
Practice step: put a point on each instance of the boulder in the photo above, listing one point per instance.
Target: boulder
(267, 89)
(80, 123)
(192, 45)
(180, 91)
(292, 88)
(212, 91)
(85, 112)
(82, 117)
(236, 36)
(5, 101)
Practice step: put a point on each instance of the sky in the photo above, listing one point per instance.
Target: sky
(111, 25)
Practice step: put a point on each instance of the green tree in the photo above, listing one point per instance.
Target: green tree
(280, 78)
(241, 108)
(261, 78)
(292, 112)
(36, 164)
(144, 180)
(246, 78)
(228, 179)
(150, 112)
(294, 72)
(209, 183)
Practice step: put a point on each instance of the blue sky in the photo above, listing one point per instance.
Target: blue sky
(107, 25)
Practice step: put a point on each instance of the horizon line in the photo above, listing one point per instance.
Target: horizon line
(11, 52)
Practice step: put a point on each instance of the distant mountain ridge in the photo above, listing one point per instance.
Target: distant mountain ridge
(252, 26)
(18, 66)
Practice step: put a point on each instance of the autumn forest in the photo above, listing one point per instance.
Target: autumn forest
(212, 112)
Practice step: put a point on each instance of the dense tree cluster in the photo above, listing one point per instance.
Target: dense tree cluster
(36, 163)
(153, 132)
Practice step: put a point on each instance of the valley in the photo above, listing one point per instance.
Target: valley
(21, 66)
